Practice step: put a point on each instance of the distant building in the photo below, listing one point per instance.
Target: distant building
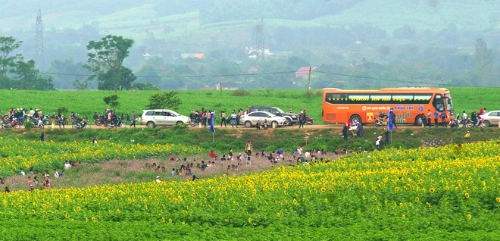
(226, 86)
(207, 88)
(303, 72)
(193, 55)
(254, 52)
(253, 69)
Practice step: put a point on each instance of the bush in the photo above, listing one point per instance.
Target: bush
(241, 93)
(62, 109)
(28, 125)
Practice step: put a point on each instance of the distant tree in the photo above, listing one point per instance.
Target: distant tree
(112, 101)
(27, 77)
(148, 74)
(7, 62)
(105, 60)
(81, 85)
(163, 100)
(62, 71)
(483, 70)
(296, 62)
(145, 86)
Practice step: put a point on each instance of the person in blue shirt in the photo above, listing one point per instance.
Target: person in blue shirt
(436, 117)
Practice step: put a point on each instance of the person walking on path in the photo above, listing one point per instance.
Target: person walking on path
(223, 119)
(133, 119)
(302, 120)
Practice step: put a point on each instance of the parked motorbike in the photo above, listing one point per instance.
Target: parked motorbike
(309, 120)
(80, 124)
(379, 122)
(13, 124)
(116, 123)
(195, 121)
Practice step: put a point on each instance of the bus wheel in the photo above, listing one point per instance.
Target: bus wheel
(419, 120)
(355, 119)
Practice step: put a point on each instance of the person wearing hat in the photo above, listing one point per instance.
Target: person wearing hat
(158, 179)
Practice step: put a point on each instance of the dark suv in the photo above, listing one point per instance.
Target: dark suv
(291, 118)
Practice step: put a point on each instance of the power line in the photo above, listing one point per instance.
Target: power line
(272, 73)
(390, 80)
(185, 76)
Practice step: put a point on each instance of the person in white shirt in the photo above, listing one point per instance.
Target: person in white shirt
(67, 165)
(464, 119)
(158, 179)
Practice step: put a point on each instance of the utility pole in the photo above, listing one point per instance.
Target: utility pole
(309, 81)
(259, 38)
(39, 41)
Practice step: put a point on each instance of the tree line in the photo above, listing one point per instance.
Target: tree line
(105, 70)
(15, 72)
(105, 63)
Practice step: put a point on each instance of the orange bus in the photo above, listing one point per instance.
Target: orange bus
(410, 105)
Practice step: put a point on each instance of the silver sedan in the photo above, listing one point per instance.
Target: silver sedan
(253, 118)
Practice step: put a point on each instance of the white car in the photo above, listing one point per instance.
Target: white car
(251, 119)
(491, 118)
(162, 117)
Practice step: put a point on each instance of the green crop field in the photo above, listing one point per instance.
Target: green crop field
(85, 103)
(444, 193)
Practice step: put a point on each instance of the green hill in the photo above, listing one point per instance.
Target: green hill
(136, 18)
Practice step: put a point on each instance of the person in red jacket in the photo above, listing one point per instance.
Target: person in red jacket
(212, 155)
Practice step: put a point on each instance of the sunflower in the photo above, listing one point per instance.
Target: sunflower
(431, 190)
(466, 195)
(497, 199)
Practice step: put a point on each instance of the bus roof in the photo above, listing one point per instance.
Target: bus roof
(386, 90)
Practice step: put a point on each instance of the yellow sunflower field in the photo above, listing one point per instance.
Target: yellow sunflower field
(450, 192)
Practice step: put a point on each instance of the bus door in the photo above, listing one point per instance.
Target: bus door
(448, 103)
(438, 102)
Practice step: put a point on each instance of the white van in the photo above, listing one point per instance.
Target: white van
(162, 117)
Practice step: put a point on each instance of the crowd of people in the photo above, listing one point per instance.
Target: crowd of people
(203, 118)
(33, 181)
(19, 116)
(440, 119)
